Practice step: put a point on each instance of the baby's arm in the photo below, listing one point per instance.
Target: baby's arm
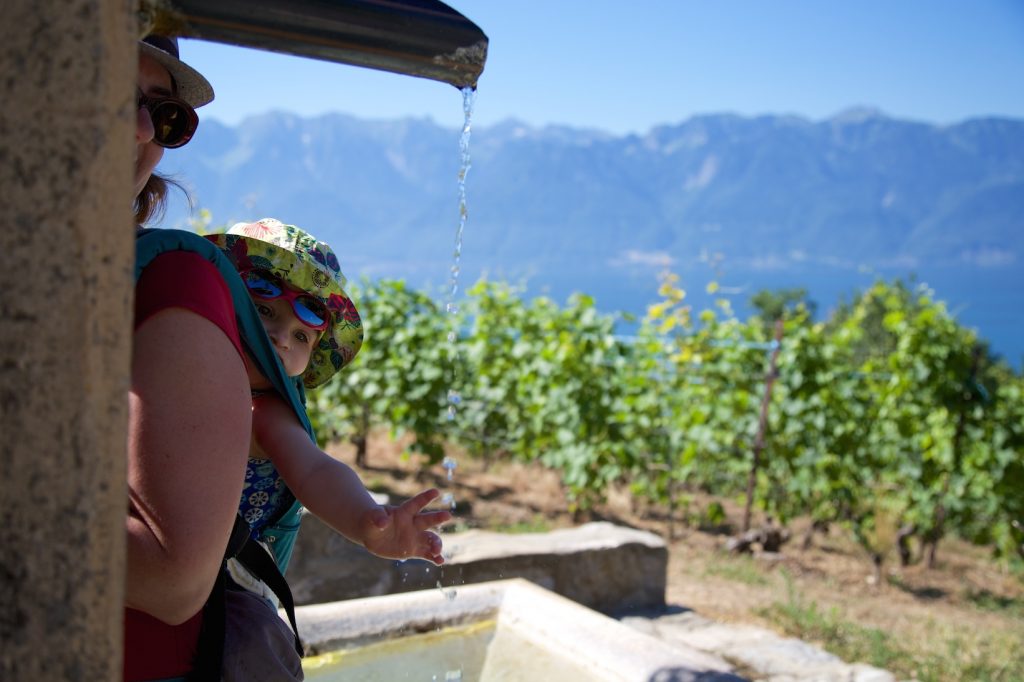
(332, 490)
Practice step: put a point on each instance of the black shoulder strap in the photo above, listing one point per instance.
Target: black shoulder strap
(239, 536)
(209, 657)
(262, 565)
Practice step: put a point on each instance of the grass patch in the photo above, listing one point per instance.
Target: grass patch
(851, 642)
(740, 569)
(537, 524)
(986, 601)
(985, 657)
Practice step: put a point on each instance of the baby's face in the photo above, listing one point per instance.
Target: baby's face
(292, 339)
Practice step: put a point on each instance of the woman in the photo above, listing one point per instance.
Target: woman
(190, 407)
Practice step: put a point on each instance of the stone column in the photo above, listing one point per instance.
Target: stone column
(66, 81)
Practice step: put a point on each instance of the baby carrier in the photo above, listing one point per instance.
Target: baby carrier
(279, 535)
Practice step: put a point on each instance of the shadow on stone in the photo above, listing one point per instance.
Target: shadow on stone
(684, 675)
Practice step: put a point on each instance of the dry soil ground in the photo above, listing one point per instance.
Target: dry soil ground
(961, 620)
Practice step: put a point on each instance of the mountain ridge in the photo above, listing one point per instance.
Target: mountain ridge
(766, 196)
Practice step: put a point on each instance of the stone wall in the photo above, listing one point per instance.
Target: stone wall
(66, 80)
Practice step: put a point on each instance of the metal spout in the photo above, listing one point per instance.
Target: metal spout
(423, 38)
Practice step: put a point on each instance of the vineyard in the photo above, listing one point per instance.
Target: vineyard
(888, 418)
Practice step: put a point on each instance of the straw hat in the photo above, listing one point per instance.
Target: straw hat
(190, 85)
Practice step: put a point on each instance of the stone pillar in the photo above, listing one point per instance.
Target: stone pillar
(66, 80)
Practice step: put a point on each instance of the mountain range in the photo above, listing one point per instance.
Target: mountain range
(752, 202)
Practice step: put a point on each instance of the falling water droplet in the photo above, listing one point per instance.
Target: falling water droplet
(449, 594)
(449, 464)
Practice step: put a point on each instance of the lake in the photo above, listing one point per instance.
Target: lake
(988, 300)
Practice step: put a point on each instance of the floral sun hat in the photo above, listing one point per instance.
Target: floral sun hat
(305, 263)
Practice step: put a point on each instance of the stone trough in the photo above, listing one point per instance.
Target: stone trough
(512, 631)
(604, 567)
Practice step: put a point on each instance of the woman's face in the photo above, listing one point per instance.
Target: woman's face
(153, 80)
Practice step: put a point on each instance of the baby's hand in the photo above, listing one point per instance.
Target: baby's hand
(403, 532)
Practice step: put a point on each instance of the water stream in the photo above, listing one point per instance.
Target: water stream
(451, 306)
(468, 100)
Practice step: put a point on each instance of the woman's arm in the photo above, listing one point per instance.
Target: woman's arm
(189, 430)
(333, 492)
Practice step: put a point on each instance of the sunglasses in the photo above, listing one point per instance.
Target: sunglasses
(308, 309)
(174, 120)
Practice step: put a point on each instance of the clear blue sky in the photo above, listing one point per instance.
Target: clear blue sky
(627, 66)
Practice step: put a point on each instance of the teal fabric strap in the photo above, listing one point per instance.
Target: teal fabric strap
(280, 535)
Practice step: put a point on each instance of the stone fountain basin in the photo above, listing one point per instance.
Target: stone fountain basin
(521, 632)
(608, 568)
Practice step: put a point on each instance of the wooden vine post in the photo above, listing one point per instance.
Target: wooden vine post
(762, 424)
(931, 539)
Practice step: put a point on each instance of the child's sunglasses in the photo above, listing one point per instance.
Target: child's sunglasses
(174, 120)
(310, 310)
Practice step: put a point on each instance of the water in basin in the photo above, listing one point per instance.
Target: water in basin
(484, 651)
(452, 653)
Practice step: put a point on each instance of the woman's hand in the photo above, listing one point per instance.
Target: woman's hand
(403, 532)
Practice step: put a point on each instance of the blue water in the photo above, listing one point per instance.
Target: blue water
(988, 300)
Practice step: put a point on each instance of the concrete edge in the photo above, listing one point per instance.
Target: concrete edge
(611, 650)
(594, 536)
(355, 622)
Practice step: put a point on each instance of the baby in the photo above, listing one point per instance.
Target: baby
(296, 285)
